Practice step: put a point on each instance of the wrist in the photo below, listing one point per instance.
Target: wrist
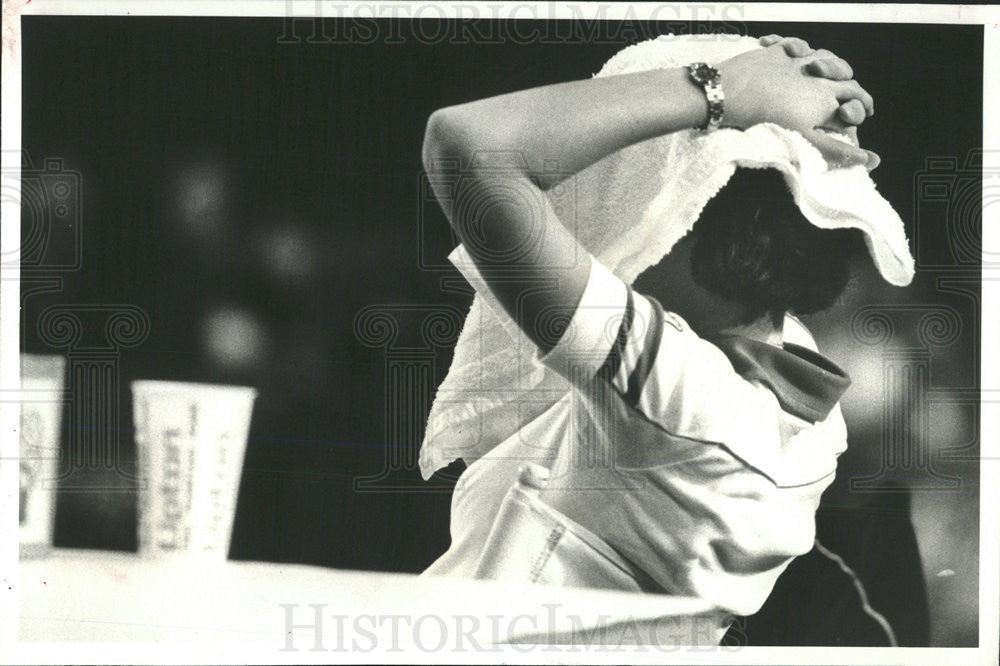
(736, 108)
(709, 80)
(677, 102)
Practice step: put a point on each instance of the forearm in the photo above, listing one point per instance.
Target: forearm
(568, 125)
(510, 147)
(527, 141)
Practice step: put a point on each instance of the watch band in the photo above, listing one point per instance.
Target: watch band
(711, 82)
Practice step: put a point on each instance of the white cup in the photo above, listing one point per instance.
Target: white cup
(42, 380)
(190, 444)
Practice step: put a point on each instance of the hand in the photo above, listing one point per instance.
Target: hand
(806, 90)
(827, 65)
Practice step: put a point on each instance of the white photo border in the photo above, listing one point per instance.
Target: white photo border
(989, 595)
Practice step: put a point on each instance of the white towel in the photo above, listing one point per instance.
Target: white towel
(628, 210)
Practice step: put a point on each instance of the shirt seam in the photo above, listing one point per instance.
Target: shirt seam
(708, 442)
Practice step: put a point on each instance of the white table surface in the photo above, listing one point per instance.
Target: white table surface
(106, 597)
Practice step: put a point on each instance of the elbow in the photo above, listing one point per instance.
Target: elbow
(458, 133)
(446, 145)
(446, 137)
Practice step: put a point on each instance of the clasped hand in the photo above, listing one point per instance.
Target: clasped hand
(811, 91)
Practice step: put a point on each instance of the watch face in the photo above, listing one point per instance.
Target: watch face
(705, 72)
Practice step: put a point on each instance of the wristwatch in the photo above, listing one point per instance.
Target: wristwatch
(710, 80)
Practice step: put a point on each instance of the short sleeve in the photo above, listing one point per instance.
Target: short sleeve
(593, 327)
(626, 338)
(650, 357)
(660, 367)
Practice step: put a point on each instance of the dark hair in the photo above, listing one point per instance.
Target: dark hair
(754, 247)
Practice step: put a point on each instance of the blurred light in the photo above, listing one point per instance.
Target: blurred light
(202, 193)
(863, 402)
(233, 337)
(290, 253)
(201, 196)
(951, 424)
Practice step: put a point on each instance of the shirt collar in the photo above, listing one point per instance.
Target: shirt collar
(806, 383)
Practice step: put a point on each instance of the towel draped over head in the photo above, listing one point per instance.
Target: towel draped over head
(628, 210)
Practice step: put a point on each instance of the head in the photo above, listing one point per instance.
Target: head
(751, 257)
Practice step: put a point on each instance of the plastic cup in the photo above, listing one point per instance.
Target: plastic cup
(190, 444)
(42, 380)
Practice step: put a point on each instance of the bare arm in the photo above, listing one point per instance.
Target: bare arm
(499, 212)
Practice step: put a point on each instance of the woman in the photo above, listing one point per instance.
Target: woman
(702, 425)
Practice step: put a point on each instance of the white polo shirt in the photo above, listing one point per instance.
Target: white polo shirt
(700, 463)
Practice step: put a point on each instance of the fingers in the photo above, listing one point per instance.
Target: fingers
(852, 90)
(856, 102)
(822, 63)
(835, 69)
(852, 112)
(851, 133)
(840, 154)
(848, 131)
(873, 160)
(835, 124)
(793, 46)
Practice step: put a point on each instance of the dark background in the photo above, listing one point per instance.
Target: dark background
(252, 184)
